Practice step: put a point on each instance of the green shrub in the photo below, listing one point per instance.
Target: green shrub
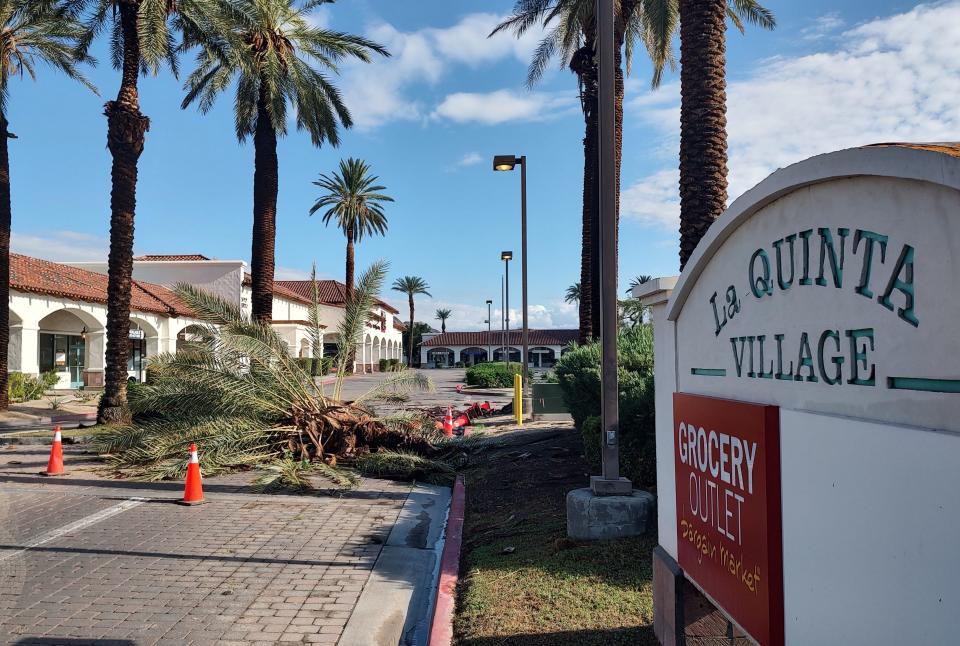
(578, 373)
(493, 375)
(315, 367)
(394, 364)
(382, 365)
(23, 388)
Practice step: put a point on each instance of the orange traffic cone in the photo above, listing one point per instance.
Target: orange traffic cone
(193, 491)
(448, 423)
(55, 465)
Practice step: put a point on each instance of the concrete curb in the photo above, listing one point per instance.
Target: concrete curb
(70, 420)
(441, 629)
(394, 606)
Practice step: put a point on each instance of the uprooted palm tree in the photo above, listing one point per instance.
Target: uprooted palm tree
(234, 389)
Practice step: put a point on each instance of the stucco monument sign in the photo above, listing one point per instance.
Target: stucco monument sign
(810, 357)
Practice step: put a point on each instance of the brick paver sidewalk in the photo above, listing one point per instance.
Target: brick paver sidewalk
(84, 560)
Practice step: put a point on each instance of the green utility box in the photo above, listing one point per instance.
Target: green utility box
(548, 399)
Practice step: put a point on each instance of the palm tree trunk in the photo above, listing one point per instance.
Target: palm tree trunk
(584, 67)
(126, 134)
(265, 186)
(348, 291)
(410, 349)
(703, 120)
(5, 213)
(349, 280)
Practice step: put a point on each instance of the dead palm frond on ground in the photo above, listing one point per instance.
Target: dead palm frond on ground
(235, 390)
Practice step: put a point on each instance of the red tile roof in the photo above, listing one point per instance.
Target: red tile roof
(480, 339)
(280, 290)
(331, 292)
(172, 257)
(38, 276)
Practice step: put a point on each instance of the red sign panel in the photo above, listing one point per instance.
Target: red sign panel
(727, 456)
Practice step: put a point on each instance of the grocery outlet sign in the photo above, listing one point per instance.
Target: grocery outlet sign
(810, 356)
(728, 507)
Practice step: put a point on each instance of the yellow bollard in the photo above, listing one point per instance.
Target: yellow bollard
(518, 399)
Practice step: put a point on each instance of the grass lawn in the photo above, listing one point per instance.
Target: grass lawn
(523, 582)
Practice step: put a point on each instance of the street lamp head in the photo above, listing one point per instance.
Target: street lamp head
(504, 162)
(489, 302)
(506, 255)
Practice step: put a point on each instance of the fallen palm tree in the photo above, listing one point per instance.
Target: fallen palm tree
(235, 391)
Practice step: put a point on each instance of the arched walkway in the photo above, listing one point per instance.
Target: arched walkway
(69, 343)
(542, 357)
(499, 354)
(473, 356)
(440, 358)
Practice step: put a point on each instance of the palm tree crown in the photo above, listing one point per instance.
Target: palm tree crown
(271, 48)
(354, 199)
(442, 315)
(572, 294)
(639, 280)
(32, 31)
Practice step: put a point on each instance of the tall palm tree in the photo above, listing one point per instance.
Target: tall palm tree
(703, 110)
(639, 280)
(30, 32)
(572, 294)
(141, 41)
(411, 286)
(571, 38)
(354, 200)
(442, 315)
(269, 50)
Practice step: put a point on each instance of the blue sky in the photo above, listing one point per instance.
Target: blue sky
(429, 119)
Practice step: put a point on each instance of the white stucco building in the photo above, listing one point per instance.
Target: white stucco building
(58, 314)
(445, 350)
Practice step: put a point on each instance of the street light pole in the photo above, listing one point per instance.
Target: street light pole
(506, 257)
(610, 481)
(489, 330)
(503, 310)
(507, 163)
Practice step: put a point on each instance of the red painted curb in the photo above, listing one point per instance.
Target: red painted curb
(441, 629)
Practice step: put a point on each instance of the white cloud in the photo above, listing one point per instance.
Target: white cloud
(491, 108)
(892, 79)
(378, 93)
(822, 26)
(470, 159)
(320, 18)
(61, 246)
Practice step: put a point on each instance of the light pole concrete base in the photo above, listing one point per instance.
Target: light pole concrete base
(591, 517)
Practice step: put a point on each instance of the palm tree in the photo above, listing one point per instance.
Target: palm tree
(354, 199)
(571, 37)
(442, 315)
(639, 280)
(573, 294)
(30, 31)
(269, 48)
(141, 42)
(411, 286)
(703, 110)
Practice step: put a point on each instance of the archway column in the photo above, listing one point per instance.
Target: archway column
(29, 351)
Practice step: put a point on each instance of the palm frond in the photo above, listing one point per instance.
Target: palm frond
(355, 316)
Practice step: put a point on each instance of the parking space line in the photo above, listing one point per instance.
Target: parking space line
(84, 522)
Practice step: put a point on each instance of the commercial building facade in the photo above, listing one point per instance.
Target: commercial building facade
(58, 315)
(447, 349)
